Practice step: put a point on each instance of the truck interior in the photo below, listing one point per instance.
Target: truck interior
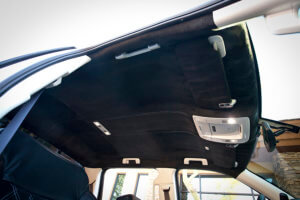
(180, 99)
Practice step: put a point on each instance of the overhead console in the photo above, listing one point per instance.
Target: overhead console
(223, 130)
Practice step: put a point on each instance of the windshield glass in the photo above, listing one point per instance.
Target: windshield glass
(208, 185)
(278, 62)
(282, 166)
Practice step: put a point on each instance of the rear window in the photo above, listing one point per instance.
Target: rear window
(120, 181)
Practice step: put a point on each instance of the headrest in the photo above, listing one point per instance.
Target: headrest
(128, 197)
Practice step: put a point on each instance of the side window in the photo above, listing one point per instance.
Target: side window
(206, 185)
(117, 190)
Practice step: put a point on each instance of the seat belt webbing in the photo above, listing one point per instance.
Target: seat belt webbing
(10, 130)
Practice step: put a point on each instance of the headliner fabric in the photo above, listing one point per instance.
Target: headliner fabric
(212, 88)
(32, 167)
(147, 103)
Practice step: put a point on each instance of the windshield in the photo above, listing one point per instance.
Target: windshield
(281, 167)
(209, 185)
(278, 61)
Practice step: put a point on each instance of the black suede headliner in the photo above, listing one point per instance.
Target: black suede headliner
(147, 102)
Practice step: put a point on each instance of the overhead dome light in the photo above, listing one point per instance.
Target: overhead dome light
(231, 121)
(101, 127)
(223, 130)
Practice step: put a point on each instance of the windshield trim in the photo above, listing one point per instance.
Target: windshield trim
(272, 183)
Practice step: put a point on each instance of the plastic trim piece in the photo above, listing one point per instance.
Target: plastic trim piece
(176, 184)
(218, 44)
(19, 76)
(14, 60)
(247, 9)
(260, 185)
(21, 92)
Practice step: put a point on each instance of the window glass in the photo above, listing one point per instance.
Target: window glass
(278, 62)
(224, 185)
(225, 197)
(118, 186)
(280, 167)
(207, 185)
(142, 186)
(122, 181)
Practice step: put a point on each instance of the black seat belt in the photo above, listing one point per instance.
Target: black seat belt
(10, 130)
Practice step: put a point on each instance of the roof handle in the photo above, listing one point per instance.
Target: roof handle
(228, 105)
(137, 52)
(126, 161)
(187, 161)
